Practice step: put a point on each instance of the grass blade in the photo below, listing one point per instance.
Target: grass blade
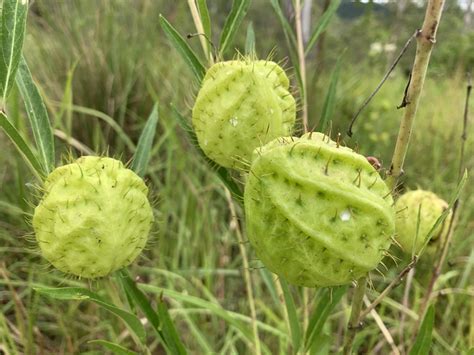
(423, 340)
(330, 100)
(142, 154)
(169, 330)
(115, 348)
(323, 23)
(250, 40)
(328, 299)
(80, 294)
(183, 48)
(21, 146)
(38, 116)
(232, 24)
(292, 316)
(223, 174)
(12, 35)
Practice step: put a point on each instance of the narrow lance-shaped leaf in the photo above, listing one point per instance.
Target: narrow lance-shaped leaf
(38, 116)
(328, 299)
(323, 23)
(142, 154)
(142, 302)
(232, 24)
(12, 34)
(423, 340)
(292, 316)
(205, 18)
(21, 146)
(250, 40)
(169, 330)
(183, 48)
(77, 293)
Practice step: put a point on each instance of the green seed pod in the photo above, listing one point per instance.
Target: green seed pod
(318, 214)
(94, 217)
(242, 105)
(412, 231)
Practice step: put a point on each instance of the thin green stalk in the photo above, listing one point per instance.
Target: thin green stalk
(247, 277)
(302, 62)
(357, 301)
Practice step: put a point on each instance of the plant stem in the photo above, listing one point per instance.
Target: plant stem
(248, 280)
(357, 300)
(302, 62)
(426, 39)
(392, 285)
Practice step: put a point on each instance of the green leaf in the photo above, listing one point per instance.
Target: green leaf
(169, 330)
(328, 299)
(80, 294)
(322, 24)
(115, 348)
(205, 18)
(223, 173)
(12, 34)
(423, 340)
(142, 154)
(184, 49)
(38, 116)
(210, 306)
(250, 40)
(232, 24)
(292, 316)
(21, 146)
(287, 29)
(142, 302)
(330, 100)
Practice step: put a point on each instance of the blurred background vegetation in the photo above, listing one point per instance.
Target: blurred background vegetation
(97, 61)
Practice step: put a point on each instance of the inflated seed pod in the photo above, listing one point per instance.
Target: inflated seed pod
(94, 217)
(417, 212)
(318, 214)
(241, 105)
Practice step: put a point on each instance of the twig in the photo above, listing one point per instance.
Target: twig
(426, 39)
(406, 295)
(302, 62)
(354, 322)
(395, 282)
(248, 280)
(445, 247)
(379, 86)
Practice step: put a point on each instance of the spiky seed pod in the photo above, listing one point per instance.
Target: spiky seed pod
(241, 105)
(413, 231)
(94, 217)
(318, 214)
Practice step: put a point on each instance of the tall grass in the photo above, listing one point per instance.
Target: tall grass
(97, 61)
